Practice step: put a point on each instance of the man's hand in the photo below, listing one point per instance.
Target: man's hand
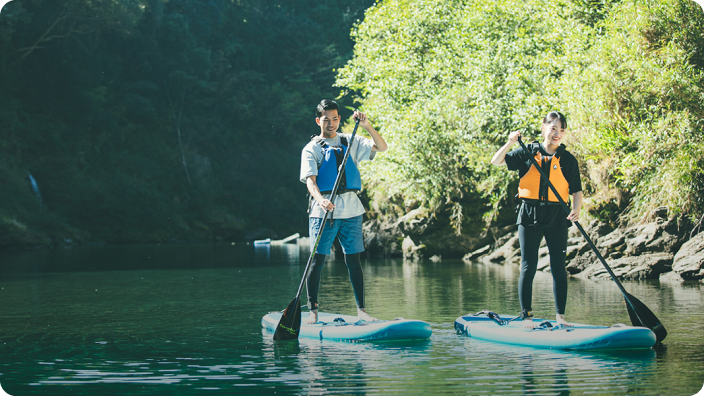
(312, 184)
(363, 120)
(326, 204)
(379, 142)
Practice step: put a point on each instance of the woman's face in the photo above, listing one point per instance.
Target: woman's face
(553, 133)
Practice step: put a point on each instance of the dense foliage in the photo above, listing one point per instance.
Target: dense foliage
(144, 120)
(637, 103)
(447, 80)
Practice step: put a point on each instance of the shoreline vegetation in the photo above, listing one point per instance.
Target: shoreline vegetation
(181, 121)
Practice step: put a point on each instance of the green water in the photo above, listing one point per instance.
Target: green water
(185, 320)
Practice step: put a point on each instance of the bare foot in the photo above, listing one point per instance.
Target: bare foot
(312, 317)
(560, 319)
(529, 324)
(363, 315)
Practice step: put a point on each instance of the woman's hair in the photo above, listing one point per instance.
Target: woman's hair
(554, 115)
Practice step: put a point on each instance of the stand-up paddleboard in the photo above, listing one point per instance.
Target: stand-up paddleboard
(349, 328)
(509, 329)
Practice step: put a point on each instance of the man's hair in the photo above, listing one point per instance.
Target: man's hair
(325, 105)
(555, 115)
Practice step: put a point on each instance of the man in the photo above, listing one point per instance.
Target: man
(319, 168)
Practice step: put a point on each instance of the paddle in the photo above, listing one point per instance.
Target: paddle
(639, 314)
(290, 323)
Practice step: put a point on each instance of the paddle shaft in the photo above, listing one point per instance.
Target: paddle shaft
(333, 193)
(579, 226)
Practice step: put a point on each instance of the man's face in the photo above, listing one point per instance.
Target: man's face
(328, 122)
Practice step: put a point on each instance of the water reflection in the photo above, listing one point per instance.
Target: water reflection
(289, 253)
(530, 370)
(181, 320)
(323, 366)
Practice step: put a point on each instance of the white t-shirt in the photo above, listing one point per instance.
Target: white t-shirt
(347, 205)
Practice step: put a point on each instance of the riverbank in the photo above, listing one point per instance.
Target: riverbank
(49, 232)
(667, 248)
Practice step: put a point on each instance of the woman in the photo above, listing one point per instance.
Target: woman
(540, 212)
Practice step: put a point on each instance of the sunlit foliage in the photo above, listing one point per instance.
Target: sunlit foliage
(447, 80)
(637, 105)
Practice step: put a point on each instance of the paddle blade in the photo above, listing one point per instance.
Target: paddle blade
(642, 316)
(290, 324)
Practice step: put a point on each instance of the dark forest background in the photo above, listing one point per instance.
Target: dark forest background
(183, 120)
(155, 120)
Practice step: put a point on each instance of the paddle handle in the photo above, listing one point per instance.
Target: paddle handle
(333, 193)
(579, 226)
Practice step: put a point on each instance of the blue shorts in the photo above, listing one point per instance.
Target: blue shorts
(348, 231)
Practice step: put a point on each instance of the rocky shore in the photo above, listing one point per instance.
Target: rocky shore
(668, 248)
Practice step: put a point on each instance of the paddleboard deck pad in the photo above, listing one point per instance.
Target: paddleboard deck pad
(508, 329)
(349, 328)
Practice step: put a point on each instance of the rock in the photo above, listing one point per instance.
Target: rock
(615, 255)
(646, 266)
(543, 251)
(469, 257)
(414, 222)
(15, 234)
(641, 236)
(573, 232)
(501, 232)
(689, 260)
(382, 239)
(434, 232)
(505, 238)
(661, 212)
(660, 236)
(671, 276)
(597, 230)
(544, 264)
(436, 259)
(506, 253)
(572, 251)
(582, 260)
(575, 240)
(411, 250)
(666, 242)
(612, 241)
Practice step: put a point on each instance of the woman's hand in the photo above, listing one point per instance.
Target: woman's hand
(573, 216)
(513, 137)
(500, 156)
(576, 207)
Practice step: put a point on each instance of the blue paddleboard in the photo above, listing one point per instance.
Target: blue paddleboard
(551, 335)
(349, 328)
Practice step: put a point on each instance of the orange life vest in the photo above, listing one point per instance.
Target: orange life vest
(532, 185)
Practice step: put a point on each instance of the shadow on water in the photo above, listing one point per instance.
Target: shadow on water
(22, 264)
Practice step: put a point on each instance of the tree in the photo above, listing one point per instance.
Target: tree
(448, 80)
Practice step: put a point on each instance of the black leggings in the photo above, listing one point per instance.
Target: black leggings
(556, 239)
(354, 266)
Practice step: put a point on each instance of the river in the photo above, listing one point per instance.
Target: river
(185, 320)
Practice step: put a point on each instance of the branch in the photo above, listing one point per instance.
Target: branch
(44, 37)
(81, 43)
(696, 227)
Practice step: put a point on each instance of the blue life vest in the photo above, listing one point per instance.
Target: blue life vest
(327, 173)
